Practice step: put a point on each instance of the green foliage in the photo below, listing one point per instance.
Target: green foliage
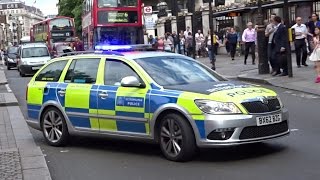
(72, 8)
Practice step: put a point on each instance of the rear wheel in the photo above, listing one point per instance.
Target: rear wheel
(54, 127)
(176, 137)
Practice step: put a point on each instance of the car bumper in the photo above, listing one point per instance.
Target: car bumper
(11, 64)
(29, 69)
(241, 129)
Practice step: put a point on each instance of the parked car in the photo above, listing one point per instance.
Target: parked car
(31, 57)
(10, 57)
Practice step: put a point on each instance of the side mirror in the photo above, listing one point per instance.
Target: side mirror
(131, 81)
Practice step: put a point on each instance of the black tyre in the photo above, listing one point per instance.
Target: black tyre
(54, 127)
(21, 74)
(8, 67)
(176, 138)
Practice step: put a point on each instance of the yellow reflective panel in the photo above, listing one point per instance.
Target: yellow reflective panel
(78, 96)
(94, 122)
(131, 99)
(186, 100)
(35, 92)
(105, 123)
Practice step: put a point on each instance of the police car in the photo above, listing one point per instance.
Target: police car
(167, 98)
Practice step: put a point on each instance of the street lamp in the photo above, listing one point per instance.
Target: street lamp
(262, 46)
(162, 7)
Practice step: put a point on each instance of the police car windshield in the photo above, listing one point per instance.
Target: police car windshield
(171, 71)
(35, 52)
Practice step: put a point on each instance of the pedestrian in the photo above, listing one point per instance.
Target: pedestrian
(160, 44)
(225, 39)
(269, 32)
(168, 44)
(279, 44)
(78, 45)
(186, 32)
(301, 33)
(315, 55)
(189, 44)
(311, 25)
(176, 41)
(249, 37)
(182, 44)
(232, 40)
(216, 43)
(210, 47)
(199, 40)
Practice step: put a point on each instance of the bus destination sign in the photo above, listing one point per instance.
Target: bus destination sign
(118, 17)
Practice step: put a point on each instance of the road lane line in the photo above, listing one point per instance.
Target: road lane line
(293, 130)
(8, 88)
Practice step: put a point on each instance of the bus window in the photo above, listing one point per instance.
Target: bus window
(56, 24)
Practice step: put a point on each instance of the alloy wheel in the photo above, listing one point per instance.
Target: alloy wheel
(171, 137)
(53, 126)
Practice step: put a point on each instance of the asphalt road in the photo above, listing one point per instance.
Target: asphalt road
(294, 157)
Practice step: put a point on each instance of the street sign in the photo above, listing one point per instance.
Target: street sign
(149, 22)
(147, 10)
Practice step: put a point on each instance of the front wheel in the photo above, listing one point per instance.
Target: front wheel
(54, 127)
(177, 140)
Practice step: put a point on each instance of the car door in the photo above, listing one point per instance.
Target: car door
(121, 109)
(81, 93)
(44, 88)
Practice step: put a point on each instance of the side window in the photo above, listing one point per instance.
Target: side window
(115, 71)
(52, 72)
(83, 71)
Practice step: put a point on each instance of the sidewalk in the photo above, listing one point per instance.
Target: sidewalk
(303, 78)
(20, 158)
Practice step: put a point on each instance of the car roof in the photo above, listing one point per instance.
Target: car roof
(28, 45)
(127, 55)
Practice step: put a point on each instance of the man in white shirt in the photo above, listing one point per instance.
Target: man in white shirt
(186, 32)
(199, 40)
(301, 33)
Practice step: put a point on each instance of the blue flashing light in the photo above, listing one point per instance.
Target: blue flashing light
(113, 47)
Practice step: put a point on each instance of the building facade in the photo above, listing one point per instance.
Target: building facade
(17, 20)
(234, 13)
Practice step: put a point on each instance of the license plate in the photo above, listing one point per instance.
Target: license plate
(35, 68)
(270, 119)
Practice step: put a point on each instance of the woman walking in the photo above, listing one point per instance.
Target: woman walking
(232, 40)
(315, 56)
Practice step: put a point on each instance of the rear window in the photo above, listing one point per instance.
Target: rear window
(35, 52)
(52, 72)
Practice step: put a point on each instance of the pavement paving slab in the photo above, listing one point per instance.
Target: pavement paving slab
(20, 157)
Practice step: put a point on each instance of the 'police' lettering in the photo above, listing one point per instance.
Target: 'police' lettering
(244, 92)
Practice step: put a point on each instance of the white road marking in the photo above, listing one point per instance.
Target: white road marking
(293, 130)
(8, 88)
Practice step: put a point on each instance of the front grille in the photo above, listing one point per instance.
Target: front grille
(260, 107)
(263, 131)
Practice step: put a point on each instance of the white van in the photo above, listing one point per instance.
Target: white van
(31, 57)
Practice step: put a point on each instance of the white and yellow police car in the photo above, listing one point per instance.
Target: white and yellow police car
(168, 98)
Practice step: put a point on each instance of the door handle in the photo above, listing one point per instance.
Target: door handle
(62, 92)
(103, 95)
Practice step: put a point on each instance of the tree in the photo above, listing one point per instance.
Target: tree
(72, 9)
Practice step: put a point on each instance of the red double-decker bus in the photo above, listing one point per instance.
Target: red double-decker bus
(111, 22)
(58, 29)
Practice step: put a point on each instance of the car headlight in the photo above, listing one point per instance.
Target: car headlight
(24, 62)
(10, 60)
(280, 102)
(215, 107)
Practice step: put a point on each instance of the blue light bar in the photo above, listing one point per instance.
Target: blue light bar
(112, 47)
